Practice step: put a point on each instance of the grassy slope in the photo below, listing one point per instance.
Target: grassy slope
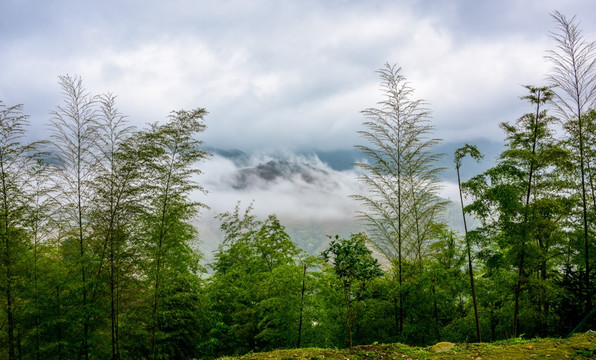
(581, 346)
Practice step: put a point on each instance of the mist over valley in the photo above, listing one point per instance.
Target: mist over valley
(309, 191)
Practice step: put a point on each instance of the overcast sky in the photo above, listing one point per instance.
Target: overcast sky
(283, 74)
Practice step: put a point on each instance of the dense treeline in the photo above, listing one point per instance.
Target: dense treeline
(97, 255)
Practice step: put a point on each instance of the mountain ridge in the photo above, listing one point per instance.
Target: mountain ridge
(344, 159)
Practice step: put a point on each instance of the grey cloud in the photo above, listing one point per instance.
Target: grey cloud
(281, 74)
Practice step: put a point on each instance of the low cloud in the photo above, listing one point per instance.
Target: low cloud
(304, 192)
(307, 190)
(309, 197)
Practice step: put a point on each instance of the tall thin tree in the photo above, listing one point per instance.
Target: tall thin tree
(115, 203)
(39, 225)
(401, 176)
(73, 127)
(573, 72)
(171, 173)
(521, 200)
(461, 153)
(536, 128)
(15, 161)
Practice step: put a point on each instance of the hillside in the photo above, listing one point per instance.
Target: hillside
(579, 346)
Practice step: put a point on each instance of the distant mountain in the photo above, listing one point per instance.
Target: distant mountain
(340, 160)
(344, 159)
(278, 170)
(238, 157)
(336, 159)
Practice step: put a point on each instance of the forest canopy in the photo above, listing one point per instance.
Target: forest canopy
(97, 255)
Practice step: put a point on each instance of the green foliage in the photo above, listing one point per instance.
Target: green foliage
(352, 260)
(94, 220)
(354, 268)
(467, 150)
(256, 287)
(17, 193)
(522, 202)
(588, 353)
(458, 156)
(401, 209)
(97, 256)
(581, 346)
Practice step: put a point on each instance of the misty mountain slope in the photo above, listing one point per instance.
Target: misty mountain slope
(344, 159)
(310, 197)
(281, 170)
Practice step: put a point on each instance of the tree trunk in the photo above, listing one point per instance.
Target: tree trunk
(84, 348)
(112, 301)
(469, 251)
(301, 306)
(155, 308)
(349, 325)
(436, 313)
(526, 216)
(586, 242)
(9, 309)
(159, 258)
(520, 275)
(59, 327)
(36, 294)
(7, 264)
(493, 322)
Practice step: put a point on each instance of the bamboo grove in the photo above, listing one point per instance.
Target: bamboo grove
(98, 256)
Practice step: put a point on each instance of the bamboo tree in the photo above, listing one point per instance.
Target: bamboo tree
(536, 127)
(573, 71)
(170, 181)
(74, 135)
(39, 225)
(402, 179)
(460, 153)
(521, 200)
(114, 210)
(16, 159)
